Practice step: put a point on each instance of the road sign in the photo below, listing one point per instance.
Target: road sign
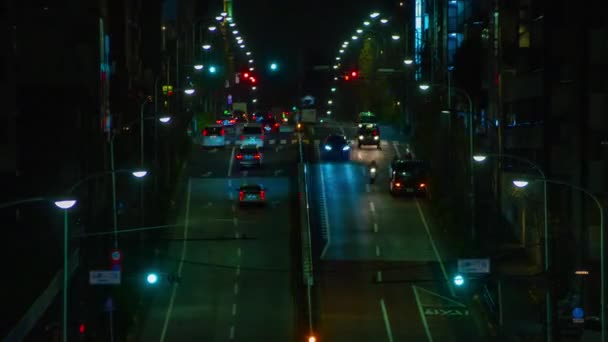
(109, 305)
(474, 265)
(116, 255)
(104, 277)
(578, 315)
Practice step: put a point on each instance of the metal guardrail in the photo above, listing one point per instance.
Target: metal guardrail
(304, 205)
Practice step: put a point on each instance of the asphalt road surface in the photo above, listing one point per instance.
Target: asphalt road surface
(234, 264)
(381, 273)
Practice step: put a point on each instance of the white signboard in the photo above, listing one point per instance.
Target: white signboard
(474, 265)
(104, 277)
(242, 106)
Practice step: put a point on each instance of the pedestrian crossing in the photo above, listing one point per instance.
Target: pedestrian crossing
(307, 141)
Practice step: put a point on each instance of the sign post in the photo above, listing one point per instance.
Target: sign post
(109, 307)
(116, 260)
(474, 265)
(103, 277)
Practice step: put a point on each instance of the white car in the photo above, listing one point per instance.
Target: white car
(214, 136)
(252, 134)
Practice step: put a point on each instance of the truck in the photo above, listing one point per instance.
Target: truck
(308, 115)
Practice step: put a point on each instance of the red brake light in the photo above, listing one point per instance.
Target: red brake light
(218, 121)
(263, 195)
(257, 156)
(223, 132)
(241, 195)
(81, 328)
(276, 125)
(232, 121)
(239, 156)
(204, 132)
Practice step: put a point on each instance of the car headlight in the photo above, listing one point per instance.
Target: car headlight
(376, 137)
(327, 148)
(360, 125)
(372, 170)
(360, 137)
(346, 148)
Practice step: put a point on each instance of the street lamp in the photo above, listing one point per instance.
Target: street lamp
(206, 46)
(198, 66)
(384, 21)
(408, 62)
(164, 119)
(523, 183)
(189, 91)
(65, 205)
(273, 66)
(395, 37)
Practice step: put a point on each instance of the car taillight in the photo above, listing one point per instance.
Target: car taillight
(422, 185)
(398, 185)
(276, 125)
(242, 137)
(239, 156)
(257, 156)
(374, 133)
(241, 195)
(262, 195)
(204, 132)
(218, 122)
(232, 121)
(223, 132)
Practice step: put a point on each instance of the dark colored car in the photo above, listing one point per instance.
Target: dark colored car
(249, 156)
(270, 124)
(336, 146)
(368, 136)
(408, 177)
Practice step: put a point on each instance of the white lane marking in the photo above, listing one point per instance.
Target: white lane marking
(277, 172)
(238, 250)
(231, 162)
(277, 149)
(317, 150)
(233, 309)
(236, 288)
(230, 182)
(235, 221)
(427, 331)
(387, 322)
(233, 207)
(272, 141)
(372, 207)
(397, 152)
(283, 141)
(312, 130)
(238, 270)
(428, 233)
(379, 276)
(375, 227)
(206, 174)
(245, 172)
(181, 263)
(447, 299)
(231, 335)
(377, 250)
(237, 235)
(324, 215)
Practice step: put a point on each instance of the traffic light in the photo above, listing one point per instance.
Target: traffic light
(82, 328)
(274, 66)
(152, 278)
(354, 74)
(246, 75)
(212, 69)
(458, 280)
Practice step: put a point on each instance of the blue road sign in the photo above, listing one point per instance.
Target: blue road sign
(578, 313)
(109, 306)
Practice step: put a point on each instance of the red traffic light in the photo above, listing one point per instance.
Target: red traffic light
(354, 74)
(246, 75)
(252, 79)
(81, 328)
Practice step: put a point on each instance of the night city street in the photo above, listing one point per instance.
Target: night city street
(230, 170)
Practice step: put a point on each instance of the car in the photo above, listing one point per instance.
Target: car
(368, 136)
(249, 155)
(252, 194)
(270, 124)
(252, 134)
(408, 177)
(336, 146)
(367, 120)
(214, 136)
(226, 121)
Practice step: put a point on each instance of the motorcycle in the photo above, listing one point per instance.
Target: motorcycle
(372, 174)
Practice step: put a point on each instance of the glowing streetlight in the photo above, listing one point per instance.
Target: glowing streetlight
(231, 24)
(224, 14)
(424, 86)
(235, 32)
(384, 21)
(139, 173)
(219, 18)
(65, 204)
(520, 183)
(206, 47)
(189, 91)
(164, 119)
(212, 69)
(248, 53)
(408, 61)
(395, 37)
(341, 51)
(366, 23)
(359, 31)
(254, 100)
(333, 90)
(354, 37)
(152, 278)
(479, 158)
(374, 15)
(198, 66)
(212, 28)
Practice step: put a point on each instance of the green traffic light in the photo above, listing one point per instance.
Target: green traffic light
(458, 280)
(212, 69)
(274, 66)
(152, 278)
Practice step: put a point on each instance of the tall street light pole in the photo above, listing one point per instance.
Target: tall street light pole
(523, 183)
(481, 158)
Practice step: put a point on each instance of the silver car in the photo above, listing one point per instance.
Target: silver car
(252, 134)
(214, 136)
